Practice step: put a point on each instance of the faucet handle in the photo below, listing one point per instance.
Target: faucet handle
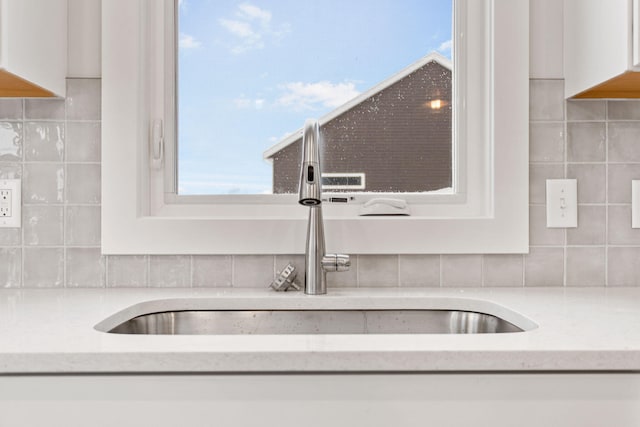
(336, 262)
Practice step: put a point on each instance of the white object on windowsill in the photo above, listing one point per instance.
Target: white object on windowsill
(385, 207)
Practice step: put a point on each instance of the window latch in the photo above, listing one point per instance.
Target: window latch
(156, 142)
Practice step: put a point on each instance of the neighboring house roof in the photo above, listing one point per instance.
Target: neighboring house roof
(290, 139)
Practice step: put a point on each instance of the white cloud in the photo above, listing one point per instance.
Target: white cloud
(299, 96)
(247, 38)
(188, 42)
(238, 28)
(251, 12)
(251, 28)
(307, 96)
(446, 46)
(243, 102)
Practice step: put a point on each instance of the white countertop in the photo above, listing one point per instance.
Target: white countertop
(52, 331)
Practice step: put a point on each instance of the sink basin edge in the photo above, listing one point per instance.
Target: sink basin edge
(316, 304)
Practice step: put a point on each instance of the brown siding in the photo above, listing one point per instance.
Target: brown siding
(394, 137)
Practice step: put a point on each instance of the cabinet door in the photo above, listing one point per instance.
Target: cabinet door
(597, 39)
(33, 47)
(347, 400)
(635, 42)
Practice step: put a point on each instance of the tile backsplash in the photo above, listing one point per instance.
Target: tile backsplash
(54, 146)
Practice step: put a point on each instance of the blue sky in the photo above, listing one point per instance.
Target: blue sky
(251, 72)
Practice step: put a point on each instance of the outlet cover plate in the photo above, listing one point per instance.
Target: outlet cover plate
(10, 203)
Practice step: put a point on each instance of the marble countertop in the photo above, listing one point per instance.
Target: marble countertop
(578, 329)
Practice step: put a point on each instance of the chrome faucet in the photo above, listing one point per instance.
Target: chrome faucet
(317, 262)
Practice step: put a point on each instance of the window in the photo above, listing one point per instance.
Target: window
(142, 213)
(383, 95)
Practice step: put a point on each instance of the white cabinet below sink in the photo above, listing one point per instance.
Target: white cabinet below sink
(294, 400)
(33, 48)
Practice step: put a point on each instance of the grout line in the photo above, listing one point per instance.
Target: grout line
(107, 259)
(21, 284)
(21, 162)
(54, 163)
(63, 205)
(191, 271)
(233, 271)
(606, 194)
(64, 199)
(148, 272)
(544, 163)
(606, 245)
(566, 174)
(538, 204)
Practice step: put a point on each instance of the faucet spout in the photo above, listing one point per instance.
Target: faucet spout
(310, 189)
(317, 262)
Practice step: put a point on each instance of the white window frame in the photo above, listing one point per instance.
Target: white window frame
(488, 213)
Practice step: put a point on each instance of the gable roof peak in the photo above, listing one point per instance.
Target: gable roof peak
(431, 57)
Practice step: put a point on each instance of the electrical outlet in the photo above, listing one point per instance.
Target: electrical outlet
(10, 203)
(5, 202)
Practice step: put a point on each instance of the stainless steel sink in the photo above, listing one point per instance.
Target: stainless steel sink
(247, 322)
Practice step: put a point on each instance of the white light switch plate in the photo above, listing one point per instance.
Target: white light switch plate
(562, 203)
(10, 203)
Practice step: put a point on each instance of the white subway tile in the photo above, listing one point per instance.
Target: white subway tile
(43, 267)
(253, 271)
(586, 266)
(212, 271)
(169, 271)
(544, 267)
(127, 271)
(419, 270)
(377, 271)
(462, 270)
(503, 270)
(85, 268)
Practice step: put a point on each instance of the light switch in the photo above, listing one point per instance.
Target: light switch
(635, 203)
(562, 203)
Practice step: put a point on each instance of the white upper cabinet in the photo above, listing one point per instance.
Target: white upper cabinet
(33, 48)
(601, 48)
